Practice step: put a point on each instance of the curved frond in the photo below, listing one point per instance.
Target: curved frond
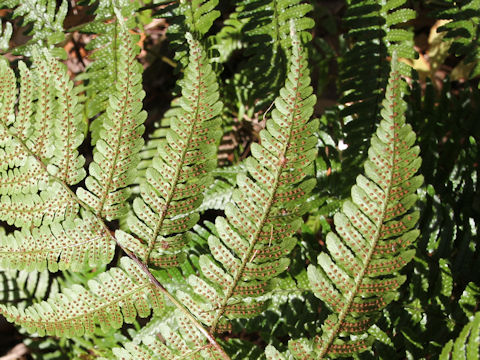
(358, 276)
(72, 245)
(256, 236)
(115, 154)
(178, 175)
(115, 296)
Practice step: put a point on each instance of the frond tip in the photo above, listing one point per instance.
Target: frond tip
(116, 152)
(358, 276)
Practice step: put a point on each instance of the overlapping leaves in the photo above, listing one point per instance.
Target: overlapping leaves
(257, 234)
(178, 175)
(45, 128)
(115, 155)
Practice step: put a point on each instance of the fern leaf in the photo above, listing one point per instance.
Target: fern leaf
(181, 341)
(46, 20)
(178, 175)
(116, 152)
(28, 194)
(256, 237)
(267, 34)
(70, 245)
(358, 277)
(376, 30)
(103, 72)
(67, 164)
(115, 296)
(463, 30)
(196, 17)
(465, 345)
(42, 138)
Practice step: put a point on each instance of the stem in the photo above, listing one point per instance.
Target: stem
(187, 313)
(132, 256)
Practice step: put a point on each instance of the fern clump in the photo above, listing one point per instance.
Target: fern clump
(174, 176)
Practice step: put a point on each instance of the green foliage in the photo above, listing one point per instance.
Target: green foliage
(375, 30)
(116, 152)
(463, 31)
(44, 21)
(178, 175)
(358, 277)
(219, 227)
(115, 296)
(466, 345)
(254, 239)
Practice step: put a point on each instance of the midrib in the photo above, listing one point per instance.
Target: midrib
(178, 170)
(359, 278)
(254, 240)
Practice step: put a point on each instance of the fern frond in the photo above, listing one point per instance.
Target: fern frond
(67, 164)
(194, 16)
(45, 18)
(29, 196)
(376, 30)
(115, 154)
(181, 341)
(466, 345)
(267, 37)
(256, 237)
(103, 72)
(358, 277)
(178, 175)
(463, 30)
(115, 296)
(70, 245)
